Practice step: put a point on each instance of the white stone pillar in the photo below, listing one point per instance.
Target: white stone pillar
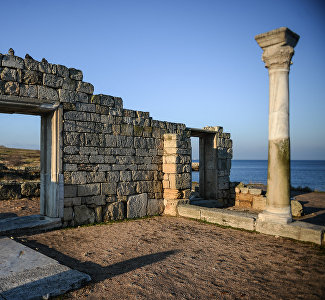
(278, 50)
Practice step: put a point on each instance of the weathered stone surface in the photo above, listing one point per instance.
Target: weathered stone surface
(28, 91)
(8, 74)
(31, 64)
(32, 77)
(12, 61)
(109, 188)
(297, 209)
(12, 88)
(75, 74)
(113, 211)
(47, 93)
(155, 207)
(137, 206)
(52, 80)
(62, 71)
(83, 215)
(68, 214)
(10, 191)
(85, 87)
(89, 189)
(30, 189)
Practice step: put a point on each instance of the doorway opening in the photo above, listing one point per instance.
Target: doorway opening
(19, 165)
(195, 186)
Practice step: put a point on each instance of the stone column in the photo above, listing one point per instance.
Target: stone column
(278, 50)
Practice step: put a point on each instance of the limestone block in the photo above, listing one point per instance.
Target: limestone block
(28, 91)
(8, 74)
(75, 74)
(47, 93)
(75, 201)
(44, 66)
(137, 206)
(86, 107)
(126, 188)
(189, 211)
(155, 207)
(255, 191)
(108, 188)
(85, 87)
(52, 80)
(67, 96)
(78, 177)
(297, 209)
(171, 194)
(82, 97)
(67, 214)
(125, 175)
(94, 201)
(114, 211)
(259, 202)
(92, 177)
(83, 215)
(244, 190)
(89, 189)
(69, 84)
(12, 61)
(32, 77)
(12, 88)
(61, 70)
(142, 175)
(70, 191)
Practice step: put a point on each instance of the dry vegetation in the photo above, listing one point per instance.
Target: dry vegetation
(13, 158)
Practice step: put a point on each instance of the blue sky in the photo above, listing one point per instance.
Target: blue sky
(194, 62)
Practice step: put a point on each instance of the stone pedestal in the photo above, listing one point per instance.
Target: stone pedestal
(278, 50)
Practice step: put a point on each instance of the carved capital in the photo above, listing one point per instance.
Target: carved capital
(278, 47)
(278, 57)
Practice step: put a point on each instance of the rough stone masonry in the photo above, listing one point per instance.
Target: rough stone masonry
(115, 163)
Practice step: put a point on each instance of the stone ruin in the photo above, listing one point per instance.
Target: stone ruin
(100, 161)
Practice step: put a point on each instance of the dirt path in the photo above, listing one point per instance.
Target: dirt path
(175, 258)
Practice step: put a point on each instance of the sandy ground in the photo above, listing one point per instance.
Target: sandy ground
(19, 207)
(176, 258)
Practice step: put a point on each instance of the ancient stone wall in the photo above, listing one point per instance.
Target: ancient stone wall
(116, 163)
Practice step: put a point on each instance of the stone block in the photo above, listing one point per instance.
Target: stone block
(28, 91)
(228, 218)
(189, 211)
(75, 201)
(89, 189)
(126, 188)
(32, 77)
(125, 175)
(85, 87)
(259, 202)
(155, 207)
(75, 74)
(44, 66)
(68, 214)
(30, 189)
(244, 190)
(67, 96)
(62, 71)
(94, 201)
(114, 211)
(137, 206)
(70, 191)
(12, 88)
(108, 188)
(12, 61)
(31, 64)
(78, 177)
(69, 84)
(8, 74)
(47, 93)
(83, 215)
(52, 80)
(98, 214)
(255, 191)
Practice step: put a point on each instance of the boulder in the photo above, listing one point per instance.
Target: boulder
(137, 206)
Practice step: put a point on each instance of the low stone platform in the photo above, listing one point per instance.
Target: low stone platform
(297, 230)
(28, 274)
(33, 222)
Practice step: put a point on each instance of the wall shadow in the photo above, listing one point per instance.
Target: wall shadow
(97, 272)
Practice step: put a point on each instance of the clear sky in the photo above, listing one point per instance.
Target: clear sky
(194, 62)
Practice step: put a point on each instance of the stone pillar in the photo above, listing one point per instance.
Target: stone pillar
(278, 50)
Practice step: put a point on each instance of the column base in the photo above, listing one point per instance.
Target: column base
(276, 215)
(171, 206)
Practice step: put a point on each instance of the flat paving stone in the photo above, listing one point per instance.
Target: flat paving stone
(14, 224)
(28, 274)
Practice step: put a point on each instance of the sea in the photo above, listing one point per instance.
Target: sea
(310, 173)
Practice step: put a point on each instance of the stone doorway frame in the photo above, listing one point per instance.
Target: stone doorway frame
(52, 181)
(208, 162)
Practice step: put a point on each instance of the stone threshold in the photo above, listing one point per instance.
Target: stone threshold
(28, 223)
(296, 230)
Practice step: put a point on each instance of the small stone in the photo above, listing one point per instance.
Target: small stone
(11, 52)
(44, 66)
(297, 209)
(114, 211)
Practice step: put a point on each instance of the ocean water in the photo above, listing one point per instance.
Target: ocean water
(309, 173)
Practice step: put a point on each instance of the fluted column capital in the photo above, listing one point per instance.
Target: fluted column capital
(277, 47)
